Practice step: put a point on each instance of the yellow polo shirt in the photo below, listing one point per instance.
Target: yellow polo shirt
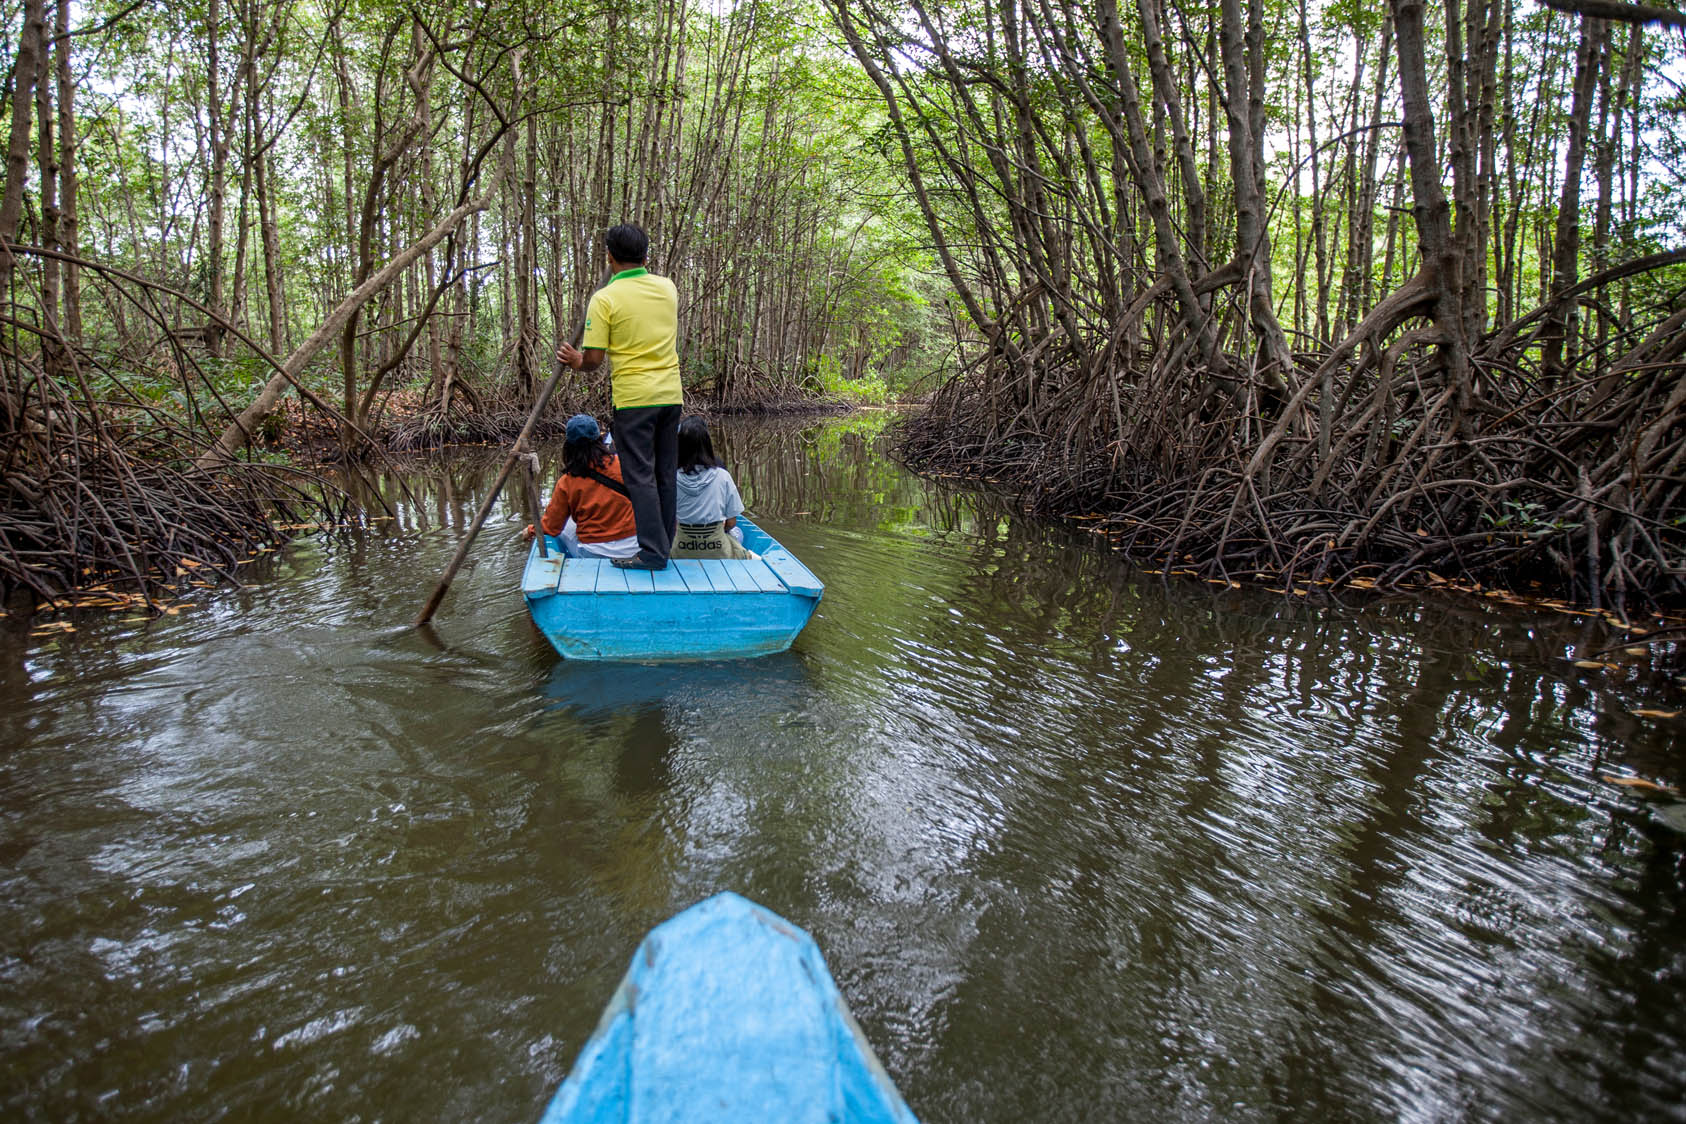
(635, 318)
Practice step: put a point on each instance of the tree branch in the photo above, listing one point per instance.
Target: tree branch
(1622, 13)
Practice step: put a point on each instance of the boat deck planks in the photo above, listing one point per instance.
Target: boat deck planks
(696, 575)
(796, 577)
(543, 575)
(667, 581)
(737, 570)
(696, 608)
(716, 571)
(578, 576)
(693, 575)
(765, 580)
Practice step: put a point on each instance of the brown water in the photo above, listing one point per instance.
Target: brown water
(1078, 843)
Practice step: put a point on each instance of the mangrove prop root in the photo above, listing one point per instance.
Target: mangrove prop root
(100, 488)
(1576, 486)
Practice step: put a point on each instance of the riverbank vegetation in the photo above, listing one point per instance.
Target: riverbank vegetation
(211, 206)
(1309, 290)
(1313, 291)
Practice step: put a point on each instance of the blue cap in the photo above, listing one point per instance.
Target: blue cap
(583, 427)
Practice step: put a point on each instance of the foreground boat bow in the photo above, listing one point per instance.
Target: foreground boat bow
(726, 1016)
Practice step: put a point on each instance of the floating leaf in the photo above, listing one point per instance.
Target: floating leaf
(1641, 784)
(1598, 664)
(1647, 712)
(1637, 651)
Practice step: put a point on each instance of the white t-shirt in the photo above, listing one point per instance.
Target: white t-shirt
(708, 496)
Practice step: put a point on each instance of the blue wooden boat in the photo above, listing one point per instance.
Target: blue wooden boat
(695, 609)
(727, 1015)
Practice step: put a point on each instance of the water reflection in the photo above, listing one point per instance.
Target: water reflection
(722, 687)
(650, 709)
(1078, 842)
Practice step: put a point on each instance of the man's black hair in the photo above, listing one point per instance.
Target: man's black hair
(627, 243)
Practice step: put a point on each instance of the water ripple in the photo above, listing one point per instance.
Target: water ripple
(1078, 842)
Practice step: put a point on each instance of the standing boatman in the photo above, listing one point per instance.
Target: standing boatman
(634, 320)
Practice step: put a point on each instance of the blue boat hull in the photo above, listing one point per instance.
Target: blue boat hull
(695, 609)
(727, 1015)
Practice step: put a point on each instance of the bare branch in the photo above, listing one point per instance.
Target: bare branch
(1622, 13)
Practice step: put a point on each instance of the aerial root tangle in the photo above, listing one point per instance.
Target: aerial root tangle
(94, 491)
(1386, 467)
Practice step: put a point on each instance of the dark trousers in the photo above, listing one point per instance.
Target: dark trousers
(647, 442)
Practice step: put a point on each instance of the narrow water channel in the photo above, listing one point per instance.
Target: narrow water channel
(1079, 843)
